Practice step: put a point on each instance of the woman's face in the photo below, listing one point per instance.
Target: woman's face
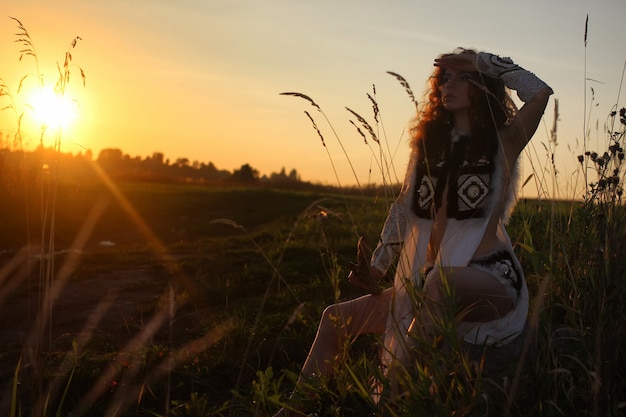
(454, 90)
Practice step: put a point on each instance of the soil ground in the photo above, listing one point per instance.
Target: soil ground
(124, 297)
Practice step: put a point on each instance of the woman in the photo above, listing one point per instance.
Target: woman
(446, 228)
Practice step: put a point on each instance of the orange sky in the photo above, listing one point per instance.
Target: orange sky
(201, 79)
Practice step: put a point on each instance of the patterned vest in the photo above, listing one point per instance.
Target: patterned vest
(469, 184)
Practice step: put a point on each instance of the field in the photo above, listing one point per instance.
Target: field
(190, 300)
(219, 274)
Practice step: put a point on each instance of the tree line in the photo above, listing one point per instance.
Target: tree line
(82, 167)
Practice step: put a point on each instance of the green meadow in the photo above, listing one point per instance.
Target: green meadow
(196, 300)
(237, 259)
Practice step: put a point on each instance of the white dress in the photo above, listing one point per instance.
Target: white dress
(480, 195)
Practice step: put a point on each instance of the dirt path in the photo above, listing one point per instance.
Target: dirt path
(108, 306)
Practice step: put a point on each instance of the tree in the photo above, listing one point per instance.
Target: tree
(110, 155)
(182, 162)
(293, 175)
(157, 158)
(245, 174)
(110, 159)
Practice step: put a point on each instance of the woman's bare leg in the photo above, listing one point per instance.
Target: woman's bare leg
(366, 314)
(479, 297)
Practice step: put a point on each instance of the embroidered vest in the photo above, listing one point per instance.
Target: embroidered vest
(468, 183)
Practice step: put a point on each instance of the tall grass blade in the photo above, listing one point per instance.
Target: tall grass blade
(14, 386)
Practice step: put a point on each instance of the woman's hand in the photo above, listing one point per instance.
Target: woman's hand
(363, 275)
(464, 61)
(368, 279)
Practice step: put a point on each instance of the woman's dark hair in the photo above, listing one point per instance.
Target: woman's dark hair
(491, 109)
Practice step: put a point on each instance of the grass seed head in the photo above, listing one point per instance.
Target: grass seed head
(304, 96)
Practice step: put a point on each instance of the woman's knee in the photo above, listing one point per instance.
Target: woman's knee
(479, 295)
(331, 319)
(354, 317)
(328, 313)
(434, 285)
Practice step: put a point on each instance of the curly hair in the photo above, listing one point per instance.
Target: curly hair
(491, 109)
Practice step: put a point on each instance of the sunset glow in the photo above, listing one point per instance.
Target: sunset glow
(52, 109)
(202, 80)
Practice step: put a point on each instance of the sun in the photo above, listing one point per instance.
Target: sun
(53, 110)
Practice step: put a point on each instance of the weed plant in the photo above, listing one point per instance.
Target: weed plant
(50, 277)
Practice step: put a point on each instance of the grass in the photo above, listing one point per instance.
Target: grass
(208, 299)
(227, 274)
